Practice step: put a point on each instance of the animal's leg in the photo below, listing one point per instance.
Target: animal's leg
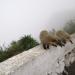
(44, 46)
(47, 46)
(54, 44)
(71, 41)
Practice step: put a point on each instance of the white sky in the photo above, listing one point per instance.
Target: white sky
(20, 17)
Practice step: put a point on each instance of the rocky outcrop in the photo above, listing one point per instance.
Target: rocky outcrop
(38, 61)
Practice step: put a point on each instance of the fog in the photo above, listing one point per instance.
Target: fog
(24, 17)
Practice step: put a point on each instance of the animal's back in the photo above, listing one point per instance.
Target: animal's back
(63, 34)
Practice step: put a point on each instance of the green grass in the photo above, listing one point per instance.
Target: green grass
(16, 47)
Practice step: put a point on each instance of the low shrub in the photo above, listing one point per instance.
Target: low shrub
(70, 27)
(16, 47)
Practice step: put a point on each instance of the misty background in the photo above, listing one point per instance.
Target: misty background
(24, 17)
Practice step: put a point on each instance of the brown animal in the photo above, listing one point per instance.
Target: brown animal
(47, 39)
(64, 36)
(53, 33)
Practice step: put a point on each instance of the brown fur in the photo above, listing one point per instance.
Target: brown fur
(64, 36)
(47, 40)
(59, 42)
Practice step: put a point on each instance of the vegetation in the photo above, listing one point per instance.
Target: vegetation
(70, 27)
(17, 47)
